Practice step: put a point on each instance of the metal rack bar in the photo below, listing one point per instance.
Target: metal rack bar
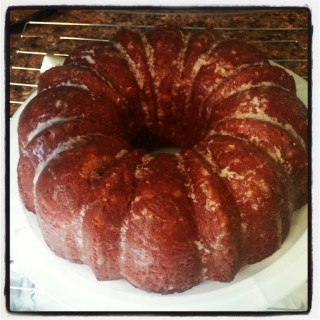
(151, 26)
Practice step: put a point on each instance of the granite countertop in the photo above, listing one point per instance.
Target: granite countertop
(282, 34)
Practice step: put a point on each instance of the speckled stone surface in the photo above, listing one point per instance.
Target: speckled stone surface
(282, 34)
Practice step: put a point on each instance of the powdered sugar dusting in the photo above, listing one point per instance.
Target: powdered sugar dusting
(260, 114)
(70, 83)
(43, 125)
(77, 225)
(89, 59)
(227, 173)
(38, 151)
(121, 153)
(55, 153)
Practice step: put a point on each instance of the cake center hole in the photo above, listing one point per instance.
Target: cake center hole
(154, 144)
(171, 150)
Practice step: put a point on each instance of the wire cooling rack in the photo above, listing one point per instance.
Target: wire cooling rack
(286, 46)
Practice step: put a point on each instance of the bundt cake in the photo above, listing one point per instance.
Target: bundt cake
(90, 166)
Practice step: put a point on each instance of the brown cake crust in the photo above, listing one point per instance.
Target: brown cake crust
(43, 145)
(64, 104)
(280, 145)
(64, 188)
(165, 75)
(104, 214)
(78, 77)
(267, 103)
(158, 239)
(217, 219)
(256, 75)
(165, 222)
(253, 178)
(132, 47)
(196, 50)
(109, 64)
(227, 58)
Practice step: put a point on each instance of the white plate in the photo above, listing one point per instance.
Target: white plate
(256, 287)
